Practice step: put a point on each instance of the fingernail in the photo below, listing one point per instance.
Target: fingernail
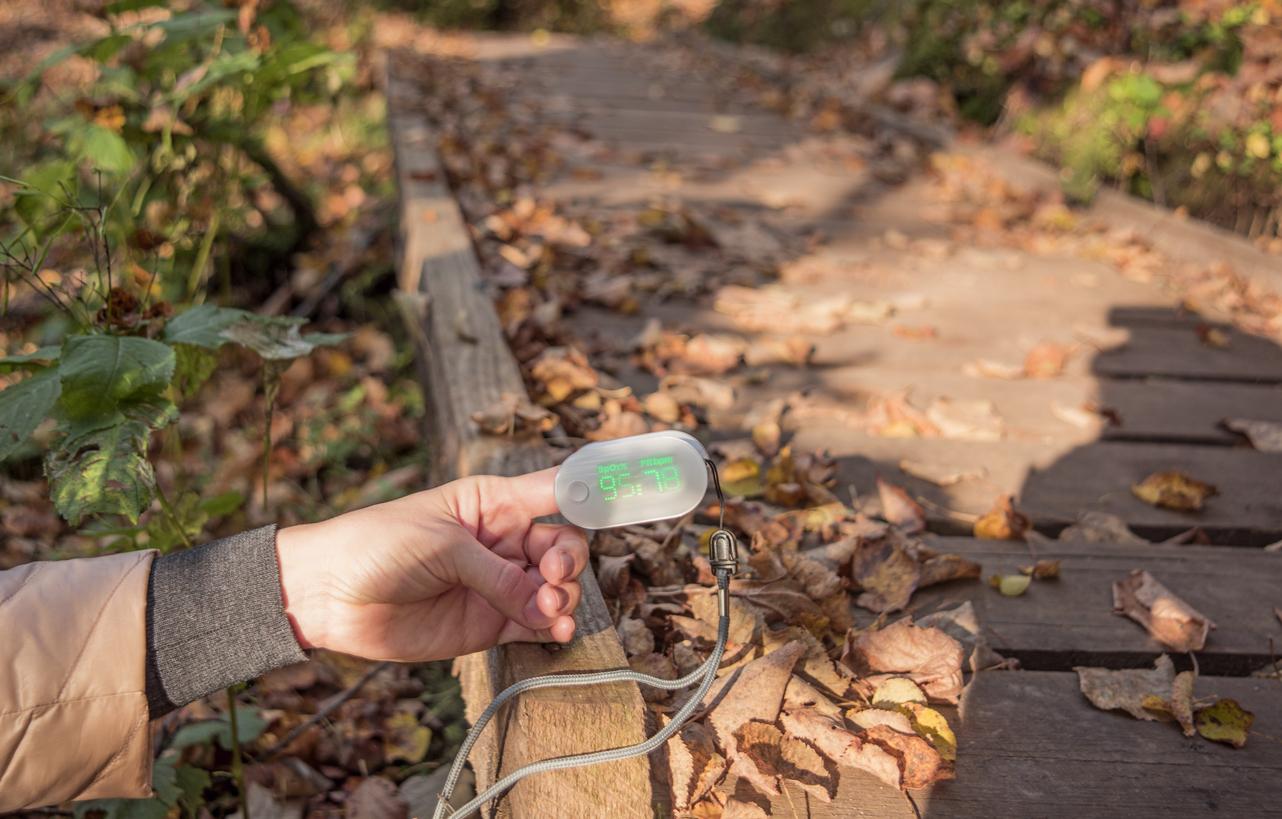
(562, 597)
(567, 566)
(533, 617)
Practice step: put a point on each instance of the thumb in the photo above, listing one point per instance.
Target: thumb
(502, 583)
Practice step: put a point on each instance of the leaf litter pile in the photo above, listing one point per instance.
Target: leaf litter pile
(808, 687)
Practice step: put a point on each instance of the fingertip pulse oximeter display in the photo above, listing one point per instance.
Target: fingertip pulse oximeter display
(639, 479)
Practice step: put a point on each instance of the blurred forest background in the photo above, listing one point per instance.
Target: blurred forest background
(185, 186)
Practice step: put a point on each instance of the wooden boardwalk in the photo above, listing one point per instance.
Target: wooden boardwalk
(1030, 745)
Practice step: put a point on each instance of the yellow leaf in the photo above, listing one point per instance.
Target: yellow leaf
(742, 477)
(1174, 490)
(1226, 722)
(897, 691)
(932, 726)
(1011, 585)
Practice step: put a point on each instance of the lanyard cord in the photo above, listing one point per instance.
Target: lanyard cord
(723, 556)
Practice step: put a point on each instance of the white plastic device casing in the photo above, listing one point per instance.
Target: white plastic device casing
(581, 501)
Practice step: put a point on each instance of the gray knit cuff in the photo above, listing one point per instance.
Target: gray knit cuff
(215, 617)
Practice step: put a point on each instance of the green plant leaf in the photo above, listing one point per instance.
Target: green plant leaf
(277, 338)
(193, 366)
(103, 375)
(23, 406)
(103, 470)
(103, 148)
(202, 326)
(206, 732)
(182, 785)
(36, 358)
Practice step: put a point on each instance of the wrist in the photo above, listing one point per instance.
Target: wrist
(301, 591)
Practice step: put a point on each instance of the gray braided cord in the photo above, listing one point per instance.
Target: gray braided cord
(708, 672)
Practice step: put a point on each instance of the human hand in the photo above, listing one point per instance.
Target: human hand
(437, 574)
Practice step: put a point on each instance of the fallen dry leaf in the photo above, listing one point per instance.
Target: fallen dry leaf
(1179, 706)
(1126, 689)
(512, 414)
(753, 692)
(1010, 585)
(1046, 360)
(1226, 721)
(897, 691)
(1042, 570)
(932, 726)
(841, 745)
(694, 764)
(885, 573)
(1174, 490)
(919, 762)
(1101, 527)
(1213, 336)
(742, 478)
(927, 655)
(974, 420)
(1266, 436)
(898, 508)
(764, 755)
(1002, 522)
(888, 716)
(941, 475)
(1168, 619)
(375, 798)
(986, 368)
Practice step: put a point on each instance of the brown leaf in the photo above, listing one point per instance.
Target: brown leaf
(613, 575)
(375, 798)
(1125, 690)
(1002, 522)
(937, 568)
(1169, 620)
(512, 414)
(764, 756)
(844, 747)
(1101, 527)
(886, 574)
(919, 762)
(754, 692)
(927, 655)
(974, 420)
(712, 354)
(694, 764)
(1046, 360)
(635, 636)
(1042, 570)
(900, 509)
(1174, 490)
(1266, 436)
(941, 475)
(1179, 706)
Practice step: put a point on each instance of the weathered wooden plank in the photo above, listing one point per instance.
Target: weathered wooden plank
(1030, 745)
(1060, 623)
(1055, 483)
(1178, 353)
(466, 367)
(1152, 410)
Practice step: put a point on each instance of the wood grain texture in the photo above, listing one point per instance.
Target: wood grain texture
(466, 366)
(1030, 745)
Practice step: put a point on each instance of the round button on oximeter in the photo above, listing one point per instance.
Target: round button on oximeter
(639, 479)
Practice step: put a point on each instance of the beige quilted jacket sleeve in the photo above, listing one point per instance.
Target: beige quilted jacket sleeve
(73, 703)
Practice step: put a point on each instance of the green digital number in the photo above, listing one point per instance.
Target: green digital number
(609, 486)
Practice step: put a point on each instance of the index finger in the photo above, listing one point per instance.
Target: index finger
(533, 494)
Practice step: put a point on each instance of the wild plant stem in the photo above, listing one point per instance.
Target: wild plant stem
(196, 278)
(237, 766)
(172, 515)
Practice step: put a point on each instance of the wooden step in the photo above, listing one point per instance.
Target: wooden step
(1058, 624)
(1030, 745)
